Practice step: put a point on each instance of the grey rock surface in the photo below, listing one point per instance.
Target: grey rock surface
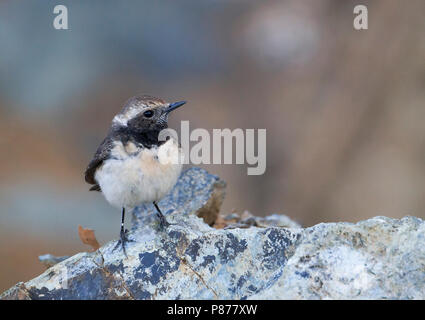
(247, 220)
(380, 258)
(50, 260)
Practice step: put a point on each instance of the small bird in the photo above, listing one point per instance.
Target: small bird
(132, 165)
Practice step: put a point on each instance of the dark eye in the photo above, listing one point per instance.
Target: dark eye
(148, 113)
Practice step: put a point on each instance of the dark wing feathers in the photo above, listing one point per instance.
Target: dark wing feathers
(96, 187)
(101, 154)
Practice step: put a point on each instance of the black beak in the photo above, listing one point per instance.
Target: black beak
(174, 106)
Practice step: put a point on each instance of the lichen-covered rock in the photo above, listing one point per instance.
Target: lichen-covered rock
(380, 258)
(247, 220)
(50, 260)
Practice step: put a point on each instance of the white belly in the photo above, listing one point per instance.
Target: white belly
(137, 176)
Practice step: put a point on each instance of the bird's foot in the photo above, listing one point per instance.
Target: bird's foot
(163, 223)
(123, 241)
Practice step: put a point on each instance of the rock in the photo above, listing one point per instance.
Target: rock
(50, 260)
(247, 220)
(380, 258)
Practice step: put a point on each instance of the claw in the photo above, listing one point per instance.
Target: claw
(163, 223)
(122, 241)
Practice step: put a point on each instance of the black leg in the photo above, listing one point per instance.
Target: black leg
(163, 222)
(123, 234)
(122, 219)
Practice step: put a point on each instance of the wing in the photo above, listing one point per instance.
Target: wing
(101, 154)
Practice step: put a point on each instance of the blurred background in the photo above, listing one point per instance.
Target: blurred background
(344, 109)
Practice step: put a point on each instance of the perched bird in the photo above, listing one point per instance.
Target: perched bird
(132, 165)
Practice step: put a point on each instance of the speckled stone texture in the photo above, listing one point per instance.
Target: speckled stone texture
(380, 258)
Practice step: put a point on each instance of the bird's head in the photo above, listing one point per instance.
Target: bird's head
(145, 113)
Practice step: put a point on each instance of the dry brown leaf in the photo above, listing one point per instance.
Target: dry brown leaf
(219, 223)
(87, 237)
